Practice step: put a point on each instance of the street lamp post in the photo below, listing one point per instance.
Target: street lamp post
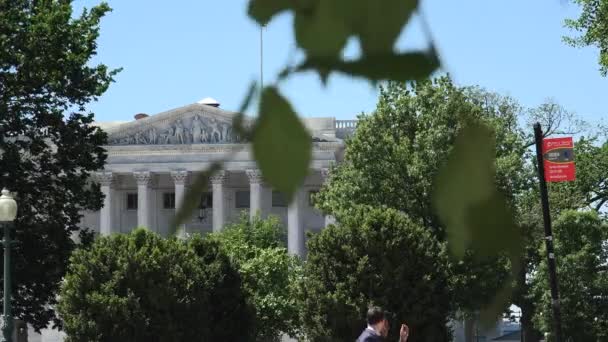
(8, 212)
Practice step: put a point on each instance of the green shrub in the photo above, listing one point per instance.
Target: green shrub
(269, 273)
(375, 256)
(141, 287)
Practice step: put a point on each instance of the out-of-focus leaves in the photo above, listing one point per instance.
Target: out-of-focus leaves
(193, 196)
(322, 29)
(376, 23)
(319, 33)
(398, 67)
(474, 212)
(262, 11)
(465, 183)
(281, 144)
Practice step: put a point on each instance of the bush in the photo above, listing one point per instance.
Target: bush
(269, 273)
(375, 256)
(141, 287)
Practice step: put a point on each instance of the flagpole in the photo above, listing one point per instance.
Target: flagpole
(262, 56)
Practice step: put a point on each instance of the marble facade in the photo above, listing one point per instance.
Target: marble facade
(153, 160)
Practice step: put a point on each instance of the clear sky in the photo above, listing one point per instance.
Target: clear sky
(177, 52)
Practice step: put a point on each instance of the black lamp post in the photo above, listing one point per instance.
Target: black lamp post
(8, 212)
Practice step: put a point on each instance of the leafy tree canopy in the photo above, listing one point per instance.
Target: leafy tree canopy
(581, 254)
(397, 152)
(48, 144)
(592, 27)
(269, 273)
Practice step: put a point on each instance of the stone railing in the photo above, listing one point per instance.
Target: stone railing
(346, 124)
(344, 128)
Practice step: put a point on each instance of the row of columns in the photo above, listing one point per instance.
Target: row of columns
(260, 198)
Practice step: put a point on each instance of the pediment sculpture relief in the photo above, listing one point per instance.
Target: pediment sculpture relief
(197, 129)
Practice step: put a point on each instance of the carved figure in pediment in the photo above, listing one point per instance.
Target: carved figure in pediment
(152, 136)
(178, 133)
(165, 136)
(216, 134)
(225, 132)
(205, 136)
(197, 130)
(140, 138)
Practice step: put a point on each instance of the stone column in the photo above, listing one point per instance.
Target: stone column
(329, 219)
(256, 193)
(179, 180)
(106, 180)
(143, 198)
(217, 182)
(295, 227)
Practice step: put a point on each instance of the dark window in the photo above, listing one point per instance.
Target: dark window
(242, 199)
(169, 200)
(131, 201)
(206, 200)
(311, 197)
(278, 199)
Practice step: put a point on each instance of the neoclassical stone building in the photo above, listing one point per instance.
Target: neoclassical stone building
(152, 161)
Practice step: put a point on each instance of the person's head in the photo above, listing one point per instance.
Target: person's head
(376, 318)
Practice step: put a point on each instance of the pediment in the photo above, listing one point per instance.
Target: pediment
(193, 124)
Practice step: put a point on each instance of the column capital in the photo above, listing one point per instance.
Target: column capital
(179, 176)
(142, 177)
(255, 176)
(218, 178)
(105, 178)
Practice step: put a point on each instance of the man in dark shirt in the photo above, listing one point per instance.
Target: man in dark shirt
(378, 326)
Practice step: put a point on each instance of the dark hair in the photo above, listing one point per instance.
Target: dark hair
(375, 315)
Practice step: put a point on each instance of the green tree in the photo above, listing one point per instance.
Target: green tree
(581, 253)
(142, 287)
(592, 25)
(396, 152)
(48, 145)
(269, 273)
(588, 191)
(375, 256)
(395, 156)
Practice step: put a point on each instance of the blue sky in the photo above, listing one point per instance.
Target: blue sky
(177, 52)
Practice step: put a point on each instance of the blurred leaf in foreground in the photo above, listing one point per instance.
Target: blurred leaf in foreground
(281, 144)
(475, 213)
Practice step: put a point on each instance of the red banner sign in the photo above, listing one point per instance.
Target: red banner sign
(558, 156)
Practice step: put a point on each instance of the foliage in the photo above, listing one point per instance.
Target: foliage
(586, 192)
(592, 25)
(396, 155)
(279, 123)
(141, 287)
(581, 255)
(269, 273)
(396, 152)
(379, 256)
(48, 144)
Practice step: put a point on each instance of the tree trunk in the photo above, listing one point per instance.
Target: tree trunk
(528, 332)
(469, 329)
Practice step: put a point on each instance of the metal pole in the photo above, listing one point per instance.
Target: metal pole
(557, 319)
(261, 57)
(7, 330)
